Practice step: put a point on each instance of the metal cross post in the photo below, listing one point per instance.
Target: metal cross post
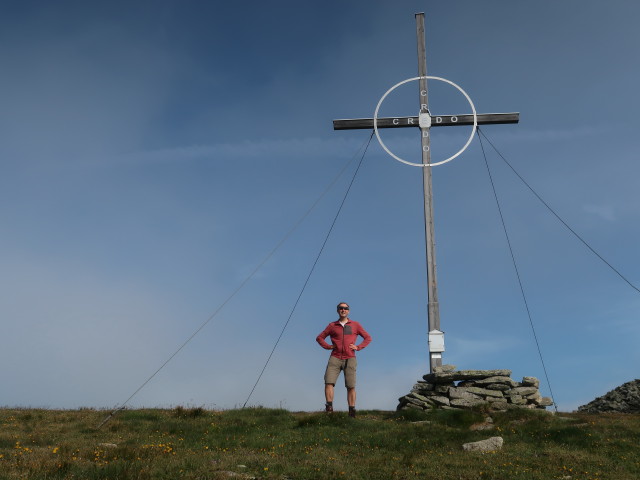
(425, 121)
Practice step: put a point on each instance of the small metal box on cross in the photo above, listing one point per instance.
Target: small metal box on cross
(424, 121)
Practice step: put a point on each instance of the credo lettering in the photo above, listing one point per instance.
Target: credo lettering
(409, 121)
(452, 119)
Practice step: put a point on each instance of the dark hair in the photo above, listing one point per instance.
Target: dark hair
(338, 306)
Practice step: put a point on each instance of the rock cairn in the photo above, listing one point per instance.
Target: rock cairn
(624, 399)
(448, 388)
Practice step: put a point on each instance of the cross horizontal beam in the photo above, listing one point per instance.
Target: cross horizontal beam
(436, 121)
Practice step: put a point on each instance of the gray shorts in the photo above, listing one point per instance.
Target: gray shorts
(335, 366)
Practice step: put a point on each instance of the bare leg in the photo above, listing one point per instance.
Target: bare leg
(328, 392)
(351, 397)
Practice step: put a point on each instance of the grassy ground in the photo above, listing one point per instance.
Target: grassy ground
(265, 443)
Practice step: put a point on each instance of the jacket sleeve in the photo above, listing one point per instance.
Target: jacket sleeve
(366, 337)
(320, 338)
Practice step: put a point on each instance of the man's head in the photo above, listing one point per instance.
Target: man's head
(343, 310)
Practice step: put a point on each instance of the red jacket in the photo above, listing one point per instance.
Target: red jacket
(342, 337)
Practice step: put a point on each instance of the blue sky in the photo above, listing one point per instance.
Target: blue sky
(153, 154)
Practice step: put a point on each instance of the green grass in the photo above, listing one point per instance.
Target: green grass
(194, 443)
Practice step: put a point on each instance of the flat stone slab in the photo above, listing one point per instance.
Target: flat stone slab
(423, 387)
(466, 403)
(535, 398)
(442, 377)
(524, 391)
(484, 392)
(417, 396)
(462, 393)
(530, 382)
(517, 400)
(419, 403)
(489, 445)
(498, 379)
(496, 400)
(108, 445)
(444, 368)
(501, 387)
(545, 402)
(440, 400)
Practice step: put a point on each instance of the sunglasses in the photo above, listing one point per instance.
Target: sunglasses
(343, 308)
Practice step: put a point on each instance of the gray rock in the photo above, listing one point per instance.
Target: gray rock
(474, 387)
(461, 393)
(488, 445)
(417, 396)
(443, 388)
(501, 387)
(524, 391)
(517, 400)
(465, 375)
(498, 379)
(484, 392)
(444, 368)
(466, 403)
(419, 403)
(440, 400)
(408, 399)
(423, 387)
(545, 402)
(480, 374)
(535, 398)
(623, 399)
(496, 400)
(530, 382)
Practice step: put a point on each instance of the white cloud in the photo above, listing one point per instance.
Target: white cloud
(605, 212)
(251, 150)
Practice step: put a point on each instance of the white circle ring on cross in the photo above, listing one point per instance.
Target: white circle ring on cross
(473, 130)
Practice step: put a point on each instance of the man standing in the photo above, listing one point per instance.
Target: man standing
(343, 333)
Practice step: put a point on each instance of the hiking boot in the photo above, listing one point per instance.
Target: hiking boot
(328, 408)
(352, 412)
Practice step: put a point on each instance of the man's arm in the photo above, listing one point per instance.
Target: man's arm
(320, 338)
(366, 337)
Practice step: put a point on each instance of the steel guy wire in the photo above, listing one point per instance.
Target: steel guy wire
(311, 271)
(515, 266)
(584, 242)
(122, 405)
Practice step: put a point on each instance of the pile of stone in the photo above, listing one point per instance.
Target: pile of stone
(624, 399)
(448, 388)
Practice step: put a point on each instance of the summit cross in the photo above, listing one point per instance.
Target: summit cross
(424, 121)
